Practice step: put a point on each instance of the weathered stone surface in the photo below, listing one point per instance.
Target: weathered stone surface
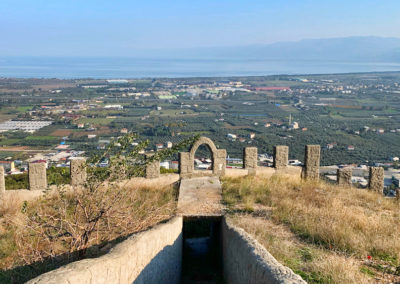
(376, 179)
(247, 261)
(185, 165)
(200, 197)
(344, 176)
(250, 159)
(281, 157)
(312, 162)
(152, 168)
(78, 171)
(186, 160)
(37, 176)
(152, 256)
(2, 182)
(219, 163)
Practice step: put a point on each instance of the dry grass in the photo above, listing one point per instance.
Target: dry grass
(24, 239)
(347, 222)
(314, 264)
(10, 209)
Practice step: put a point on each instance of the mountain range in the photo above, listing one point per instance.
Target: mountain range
(354, 49)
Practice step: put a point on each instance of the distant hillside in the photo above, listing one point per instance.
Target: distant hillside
(360, 49)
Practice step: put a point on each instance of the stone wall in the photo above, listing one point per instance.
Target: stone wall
(37, 176)
(312, 162)
(153, 256)
(376, 179)
(281, 157)
(152, 168)
(344, 176)
(247, 261)
(78, 171)
(185, 165)
(219, 166)
(250, 159)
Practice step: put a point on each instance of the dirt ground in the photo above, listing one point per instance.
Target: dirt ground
(230, 126)
(61, 132)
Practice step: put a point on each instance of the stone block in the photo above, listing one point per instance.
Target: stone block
(2, 182)
(281, 157)
(186, 166)
(250, 157)
(344, 176)
(312, 162)
(37, 176)
(376, 179)
(78, 171)
(220, 162)
(152, 168)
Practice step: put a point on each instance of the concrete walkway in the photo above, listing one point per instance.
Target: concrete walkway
(200, 197)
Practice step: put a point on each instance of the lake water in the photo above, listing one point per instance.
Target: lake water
(107, 67)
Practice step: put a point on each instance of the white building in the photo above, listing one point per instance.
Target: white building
(27, 126)
(168, 144)
(231, 136)
(119, 107)
(164, 164)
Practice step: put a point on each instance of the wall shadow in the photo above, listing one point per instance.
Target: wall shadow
(202, 251)
(165, 267)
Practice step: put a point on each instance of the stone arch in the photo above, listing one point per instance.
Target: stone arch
(203, 141)
(209, 144)
(186, 159)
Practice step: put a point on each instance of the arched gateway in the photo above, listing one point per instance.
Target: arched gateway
(186, 160)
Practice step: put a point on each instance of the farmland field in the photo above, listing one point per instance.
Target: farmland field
(358, 110)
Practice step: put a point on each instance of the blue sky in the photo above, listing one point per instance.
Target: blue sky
(117, 27)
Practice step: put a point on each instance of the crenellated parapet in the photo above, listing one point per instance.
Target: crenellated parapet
(78, 171)
(152, 168)
(376, 179)
(310, 171)
(344, 176)
(250, 159)
(37, 176)
(312, 158)
(281, 157)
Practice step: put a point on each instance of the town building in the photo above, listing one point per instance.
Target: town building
(231, 136)
(168, 144)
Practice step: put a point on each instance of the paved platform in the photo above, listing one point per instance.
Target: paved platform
(200, 197)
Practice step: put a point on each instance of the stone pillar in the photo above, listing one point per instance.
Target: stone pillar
(344, 176)
(78, 171)
(152, 168)
(281, 157)
(37, 176)
(250, 159)
(2, 182)
(219, 165)
(376, 179)
(312, 162)
(186, 166)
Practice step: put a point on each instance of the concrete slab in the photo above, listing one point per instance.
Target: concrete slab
(200, 197)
